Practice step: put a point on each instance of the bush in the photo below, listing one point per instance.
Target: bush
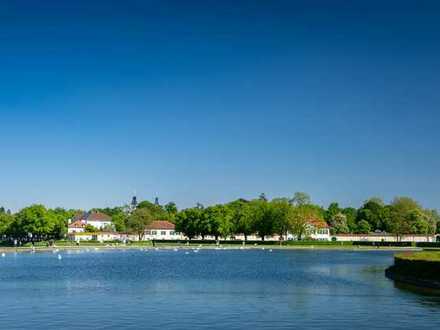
(315, 242)
(396, 244)
(423, 265)
(428, 244)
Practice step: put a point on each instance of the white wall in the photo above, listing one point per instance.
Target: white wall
(159, 234)
(383, 238)
(99, 224)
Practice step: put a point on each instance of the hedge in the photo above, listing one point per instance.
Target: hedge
(424, 265)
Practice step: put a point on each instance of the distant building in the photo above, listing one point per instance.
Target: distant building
(316, 229)
(98, 236)
(76, 227)
(98, 220)
(383, 237)
(162, 230)
(157, 230)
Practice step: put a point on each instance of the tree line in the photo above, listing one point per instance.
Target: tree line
(259, 216)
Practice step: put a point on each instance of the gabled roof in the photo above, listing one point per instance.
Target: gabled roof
(98, 216)
(318, 223)
(160, 224)
(79, 216)
(91, 216)
(77, 224)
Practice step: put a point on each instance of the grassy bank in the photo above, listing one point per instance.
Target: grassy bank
(427, 256)
(287, 245)
(417, 268)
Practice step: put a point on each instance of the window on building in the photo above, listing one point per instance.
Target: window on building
(171, 233)
(147, 232)
(163, 232)
(154, 232)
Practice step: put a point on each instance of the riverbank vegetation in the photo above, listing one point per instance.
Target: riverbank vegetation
(417, 268)
(259, 216)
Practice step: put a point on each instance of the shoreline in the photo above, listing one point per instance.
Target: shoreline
(420, 269)
(209, 247)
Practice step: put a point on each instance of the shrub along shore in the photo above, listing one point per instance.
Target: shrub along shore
(421, 269)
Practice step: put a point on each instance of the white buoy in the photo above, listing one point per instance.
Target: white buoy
(175, 250)
(3, 255)
(60, 257)
(270, 250)
(187, 252)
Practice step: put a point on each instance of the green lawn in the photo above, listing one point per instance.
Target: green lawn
(422, 256)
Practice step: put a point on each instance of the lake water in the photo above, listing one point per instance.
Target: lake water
(211, 289)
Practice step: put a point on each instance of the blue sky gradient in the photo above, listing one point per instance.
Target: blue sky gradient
(208, 101)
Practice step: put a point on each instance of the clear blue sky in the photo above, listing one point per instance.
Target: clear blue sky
(208, 101)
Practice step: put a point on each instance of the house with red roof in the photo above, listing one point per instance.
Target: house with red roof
(96, 219)
(162, 230)
(316, 229)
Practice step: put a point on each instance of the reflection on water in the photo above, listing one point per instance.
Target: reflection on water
(419, 290)
(211, 289)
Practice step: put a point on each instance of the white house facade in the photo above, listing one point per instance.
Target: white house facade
(383, 237)
(162, 230)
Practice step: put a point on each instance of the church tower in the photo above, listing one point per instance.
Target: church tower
(133, 204)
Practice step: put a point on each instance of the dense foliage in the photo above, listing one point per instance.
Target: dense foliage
(259, 216)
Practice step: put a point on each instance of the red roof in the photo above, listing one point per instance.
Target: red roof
(317, 223)
(77, 224)
(91, 216)
(98, 216)
(159, 224)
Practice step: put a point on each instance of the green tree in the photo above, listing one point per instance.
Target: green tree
(171, 209)
(157, 211)
(300, 198)
(119, 221)
(213, 217)
(241, 217)
(36, 223)
(300, 218)
(350, 214)
(220, 219)
(332, 210)
(138, 221)
(405, 213)
(264, 218)
(281, 211)
(363, 227)
(5, 222)
(338, 224)
(373, 212)
(59, 218)
(90, 229)
(187, 221)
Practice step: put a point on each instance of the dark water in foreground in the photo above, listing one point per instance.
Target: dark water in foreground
(241, 289)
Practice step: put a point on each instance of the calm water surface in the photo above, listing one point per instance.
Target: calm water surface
(231, 289)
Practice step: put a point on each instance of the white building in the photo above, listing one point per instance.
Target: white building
(383, 237)
(76, 227)
(162, 230)
(315, 230)
(96, 219)
(98, 236)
